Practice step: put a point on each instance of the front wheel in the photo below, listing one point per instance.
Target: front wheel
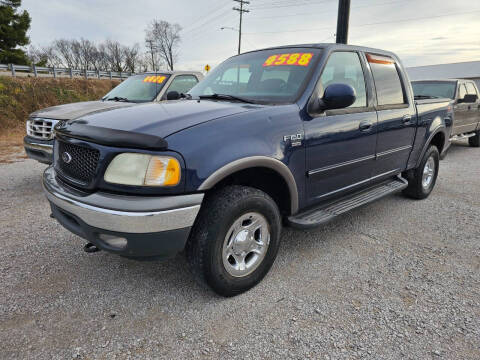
(421, 180)
(235, 239)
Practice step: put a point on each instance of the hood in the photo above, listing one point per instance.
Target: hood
(151, 119)
(75, 110)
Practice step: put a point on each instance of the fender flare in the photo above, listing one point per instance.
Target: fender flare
(256, 161)
(439, 129)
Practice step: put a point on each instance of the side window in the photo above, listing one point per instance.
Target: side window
(345, 68)
(471, 89)
(387, 80)
(182, 83)
(462, 91)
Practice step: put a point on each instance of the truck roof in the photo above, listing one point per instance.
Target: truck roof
(331, 46)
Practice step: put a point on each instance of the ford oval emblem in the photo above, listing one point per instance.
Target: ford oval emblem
(66, 157)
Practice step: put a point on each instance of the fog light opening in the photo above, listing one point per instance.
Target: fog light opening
(113, 241)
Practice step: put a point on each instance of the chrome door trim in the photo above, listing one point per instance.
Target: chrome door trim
(391, 151)
(335, 166)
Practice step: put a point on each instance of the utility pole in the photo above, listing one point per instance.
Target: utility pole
(342, 21)
(150, 43)
(241, 10)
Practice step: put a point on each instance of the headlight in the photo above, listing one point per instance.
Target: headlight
(143, 170)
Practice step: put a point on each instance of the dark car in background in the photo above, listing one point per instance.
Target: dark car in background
(466, 105)
(146, 87)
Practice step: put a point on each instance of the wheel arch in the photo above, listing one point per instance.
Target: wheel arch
(438, 137)
(256, 162)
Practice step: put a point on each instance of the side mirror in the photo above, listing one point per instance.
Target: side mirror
(173, 95)
(336, 96)
(469, 98)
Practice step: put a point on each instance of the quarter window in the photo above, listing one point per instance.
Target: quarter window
(387, 80)
(345, 68)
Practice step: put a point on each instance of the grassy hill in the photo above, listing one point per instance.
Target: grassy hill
(21, 96)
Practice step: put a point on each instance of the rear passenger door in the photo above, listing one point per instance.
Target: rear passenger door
(340, 144)
(397, 117)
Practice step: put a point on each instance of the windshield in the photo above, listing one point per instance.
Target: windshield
(138, 88)
(268, 76)
(441, 89)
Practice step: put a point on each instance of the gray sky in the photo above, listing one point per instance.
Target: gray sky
(421, 32)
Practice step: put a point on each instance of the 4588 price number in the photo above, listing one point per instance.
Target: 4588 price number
(294, 59)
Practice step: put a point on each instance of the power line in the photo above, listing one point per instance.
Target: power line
(210, 20)
(241, 10)
(211, 12)
(269, 6)
(367, 24)
(324, 12)
(212, 25)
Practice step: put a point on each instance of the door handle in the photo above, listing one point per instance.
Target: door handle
(406, 119)
(365, 126)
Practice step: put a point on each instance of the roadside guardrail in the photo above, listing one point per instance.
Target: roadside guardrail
(63, 72)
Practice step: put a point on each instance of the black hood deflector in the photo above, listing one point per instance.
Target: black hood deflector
(110, 137)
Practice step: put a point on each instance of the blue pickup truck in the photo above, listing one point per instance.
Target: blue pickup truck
(293, 136)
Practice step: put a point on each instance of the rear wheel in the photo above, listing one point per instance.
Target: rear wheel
(421, 180)
(474, 141)
(235, 239)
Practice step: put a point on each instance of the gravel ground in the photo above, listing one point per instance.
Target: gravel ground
(395, 279)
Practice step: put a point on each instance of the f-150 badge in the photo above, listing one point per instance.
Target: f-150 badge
(295, 140)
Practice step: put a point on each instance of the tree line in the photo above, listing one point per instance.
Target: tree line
(161, 52)
(86, 55)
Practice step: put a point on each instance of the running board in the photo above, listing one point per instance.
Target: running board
(326, 212)
(462, 136)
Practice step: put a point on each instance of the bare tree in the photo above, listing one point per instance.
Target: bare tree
(115, 55)
(76, 50)
(85, 54)
(132, 57)
(164, 38)
(63, 49)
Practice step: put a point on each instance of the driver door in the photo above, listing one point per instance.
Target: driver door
(341, 143)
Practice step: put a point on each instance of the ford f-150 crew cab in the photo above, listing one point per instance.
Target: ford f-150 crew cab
(466, 105)
(136, 89)
(295, 135)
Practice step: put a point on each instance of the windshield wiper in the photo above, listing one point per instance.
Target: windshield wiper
(226, 97)
(118, 98)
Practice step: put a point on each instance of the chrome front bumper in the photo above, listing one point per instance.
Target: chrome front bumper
(121, 213)
(40, 150)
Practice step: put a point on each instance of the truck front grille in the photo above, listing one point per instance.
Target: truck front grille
(41, 128)
(77, 163)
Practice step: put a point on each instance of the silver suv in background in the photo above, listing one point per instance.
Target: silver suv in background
(146, 87)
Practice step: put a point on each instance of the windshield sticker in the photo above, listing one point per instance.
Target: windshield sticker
(295, 59)
(155, 79)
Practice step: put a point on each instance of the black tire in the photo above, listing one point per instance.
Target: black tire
(474, 141)
(218, 214)
(416, 188)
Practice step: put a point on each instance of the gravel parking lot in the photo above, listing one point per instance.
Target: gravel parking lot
(395, 279)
